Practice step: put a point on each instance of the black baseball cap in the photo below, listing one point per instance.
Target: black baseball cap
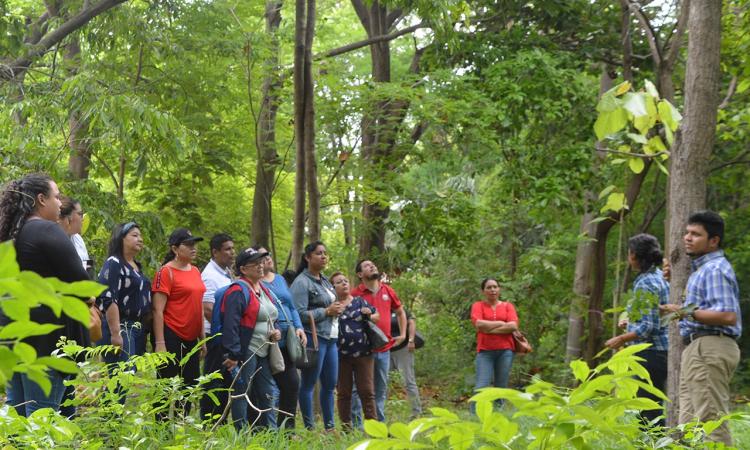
(248, 255)
(181, 235)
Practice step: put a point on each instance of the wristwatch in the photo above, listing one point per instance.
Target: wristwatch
(691, 315)
(411, 341)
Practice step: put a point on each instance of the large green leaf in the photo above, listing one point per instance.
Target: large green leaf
(376, 429)
(24, 351)
(609, 123)
(78, 288)
(636, 165)
(21, 330)
(60, 364)
(76, 309)
(8, 265)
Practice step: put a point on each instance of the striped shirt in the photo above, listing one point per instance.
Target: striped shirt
(712, 286)
(647, 328)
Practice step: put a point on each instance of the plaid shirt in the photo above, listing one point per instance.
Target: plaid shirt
(712, 286)
(647, 328)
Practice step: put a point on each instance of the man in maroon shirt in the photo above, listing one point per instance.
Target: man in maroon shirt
(385, 300)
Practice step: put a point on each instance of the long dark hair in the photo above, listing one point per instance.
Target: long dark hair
(114, 248)
(309, 249)
(18, 201)
(647, 251)
(171, 255)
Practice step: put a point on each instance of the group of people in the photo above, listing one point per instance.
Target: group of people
(239, 295)
(710, 322)
(237, 301)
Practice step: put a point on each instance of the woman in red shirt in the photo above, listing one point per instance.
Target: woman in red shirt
(495, 322)
(177, 302)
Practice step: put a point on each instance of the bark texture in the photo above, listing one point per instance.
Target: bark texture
(689, 161)
(265, 143)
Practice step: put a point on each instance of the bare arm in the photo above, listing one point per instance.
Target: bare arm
(159, 302)
(720, 318)
(113, 321)
(208, 309)
(401, 317)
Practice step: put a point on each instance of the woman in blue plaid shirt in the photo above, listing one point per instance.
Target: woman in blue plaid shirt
(649, 291)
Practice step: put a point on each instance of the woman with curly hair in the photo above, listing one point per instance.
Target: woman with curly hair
(29, 210)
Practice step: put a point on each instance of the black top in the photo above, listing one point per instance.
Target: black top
(43, 247)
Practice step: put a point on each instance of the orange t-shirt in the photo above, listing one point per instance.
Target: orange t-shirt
(502, 311)
(184, 289)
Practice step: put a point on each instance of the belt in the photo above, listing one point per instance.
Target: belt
(699, 334)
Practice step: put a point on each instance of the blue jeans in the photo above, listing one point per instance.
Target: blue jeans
(493, 369)
(257, 382)
(382, 365)
(327, 370)
(26, 396)
(133, 341)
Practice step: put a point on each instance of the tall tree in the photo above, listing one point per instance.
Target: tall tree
(590, 279)
(304, 129)
(265, 136)
(690, 159)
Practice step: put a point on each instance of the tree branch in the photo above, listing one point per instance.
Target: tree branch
(653, 42)
(21, 64)
(370, 41)
(674, 41)
(730, 92)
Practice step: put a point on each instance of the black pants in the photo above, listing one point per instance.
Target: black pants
(189, 372)
(288, 384)
(219, 387)
(656, 365)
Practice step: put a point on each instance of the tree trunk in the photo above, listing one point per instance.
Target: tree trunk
(265, 142)
(689, 160)
(78, 126)
(311, 166)
(298, 231)
(582, 280)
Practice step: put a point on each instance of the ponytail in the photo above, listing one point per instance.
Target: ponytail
(169, 256)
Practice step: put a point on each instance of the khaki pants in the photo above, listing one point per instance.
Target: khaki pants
(708, 364)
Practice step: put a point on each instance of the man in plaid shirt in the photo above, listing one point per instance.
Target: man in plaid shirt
(710, 331)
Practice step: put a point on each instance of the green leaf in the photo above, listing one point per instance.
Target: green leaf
(580, 370)
(622, 88)
(654, 145)
(651, 89)
(60, 364)
(605, 192)
(639, 138)
(76, 309)
(78, 288)
(8, 265)
(609, 123)
(669, 115)
(376, 429)
(635, 103)
(401, 431)
(615, 202)
(25, 352)
(22, 330)
(636, 165)
(40, 377)
(743, 85)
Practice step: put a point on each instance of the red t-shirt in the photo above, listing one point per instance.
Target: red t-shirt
(184, 289)
(503, 311)
(384, 301)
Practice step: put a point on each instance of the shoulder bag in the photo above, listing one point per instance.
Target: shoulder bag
(310, 358)
(375, 335)
(274, 355)
(293, 345)
(522, 345)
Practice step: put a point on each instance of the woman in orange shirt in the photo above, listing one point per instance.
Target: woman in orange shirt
(495, 321)
(178, 308)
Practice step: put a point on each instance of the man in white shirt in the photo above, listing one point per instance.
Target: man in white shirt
(217, 273)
